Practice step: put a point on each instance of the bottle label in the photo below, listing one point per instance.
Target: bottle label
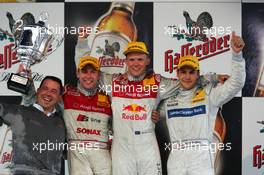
(108, 47)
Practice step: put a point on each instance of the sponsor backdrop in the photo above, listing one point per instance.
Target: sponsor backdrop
(253, 131)
(89, 15)
(213, 49)
(164, 26)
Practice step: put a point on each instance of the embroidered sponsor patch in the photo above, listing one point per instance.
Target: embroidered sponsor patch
(186, 112)
(199, 96)
(103, 101)
(149, 81)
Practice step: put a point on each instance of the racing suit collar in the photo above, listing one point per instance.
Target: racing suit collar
(133, 78)
(184, 92)
(87, 92)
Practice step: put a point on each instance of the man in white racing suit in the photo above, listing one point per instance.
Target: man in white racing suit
(135, 149)
(87, 112)
(191, 113)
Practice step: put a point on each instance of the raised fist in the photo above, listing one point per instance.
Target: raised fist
(237, 43)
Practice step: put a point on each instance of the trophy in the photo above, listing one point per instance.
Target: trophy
(33, 43)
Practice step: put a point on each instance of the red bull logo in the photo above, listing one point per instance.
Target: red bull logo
(134, 117)
(134, 108)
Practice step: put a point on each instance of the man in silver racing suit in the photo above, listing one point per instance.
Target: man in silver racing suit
(191, 113)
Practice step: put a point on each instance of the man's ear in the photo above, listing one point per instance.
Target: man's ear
(177, 72)
(37, 91)
(148, 60)
(60, 98)
(126, 60)
(77, 73)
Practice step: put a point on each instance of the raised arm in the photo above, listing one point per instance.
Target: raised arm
(225, 92)
(30, 98)
(82, 48)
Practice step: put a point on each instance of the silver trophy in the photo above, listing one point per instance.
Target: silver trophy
(34, 42)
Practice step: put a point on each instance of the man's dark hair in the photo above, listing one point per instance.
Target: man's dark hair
(53, 78)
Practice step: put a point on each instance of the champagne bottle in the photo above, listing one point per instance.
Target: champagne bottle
(115, 30)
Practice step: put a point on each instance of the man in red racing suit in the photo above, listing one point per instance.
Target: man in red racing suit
(87, 112)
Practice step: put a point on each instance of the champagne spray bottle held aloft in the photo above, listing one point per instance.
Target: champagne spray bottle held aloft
(115, 30)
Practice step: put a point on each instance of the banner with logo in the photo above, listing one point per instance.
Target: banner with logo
(203, 30)
(253, 132)
(108, 32)
(9, 61)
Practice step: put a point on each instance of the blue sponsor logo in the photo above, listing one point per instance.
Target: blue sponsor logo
(186, 112)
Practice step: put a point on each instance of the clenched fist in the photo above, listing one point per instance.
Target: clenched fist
(237, 43)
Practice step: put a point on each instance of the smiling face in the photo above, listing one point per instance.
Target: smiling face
(188, 77)
(88, 77)
(136, 63)
(48, 95)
